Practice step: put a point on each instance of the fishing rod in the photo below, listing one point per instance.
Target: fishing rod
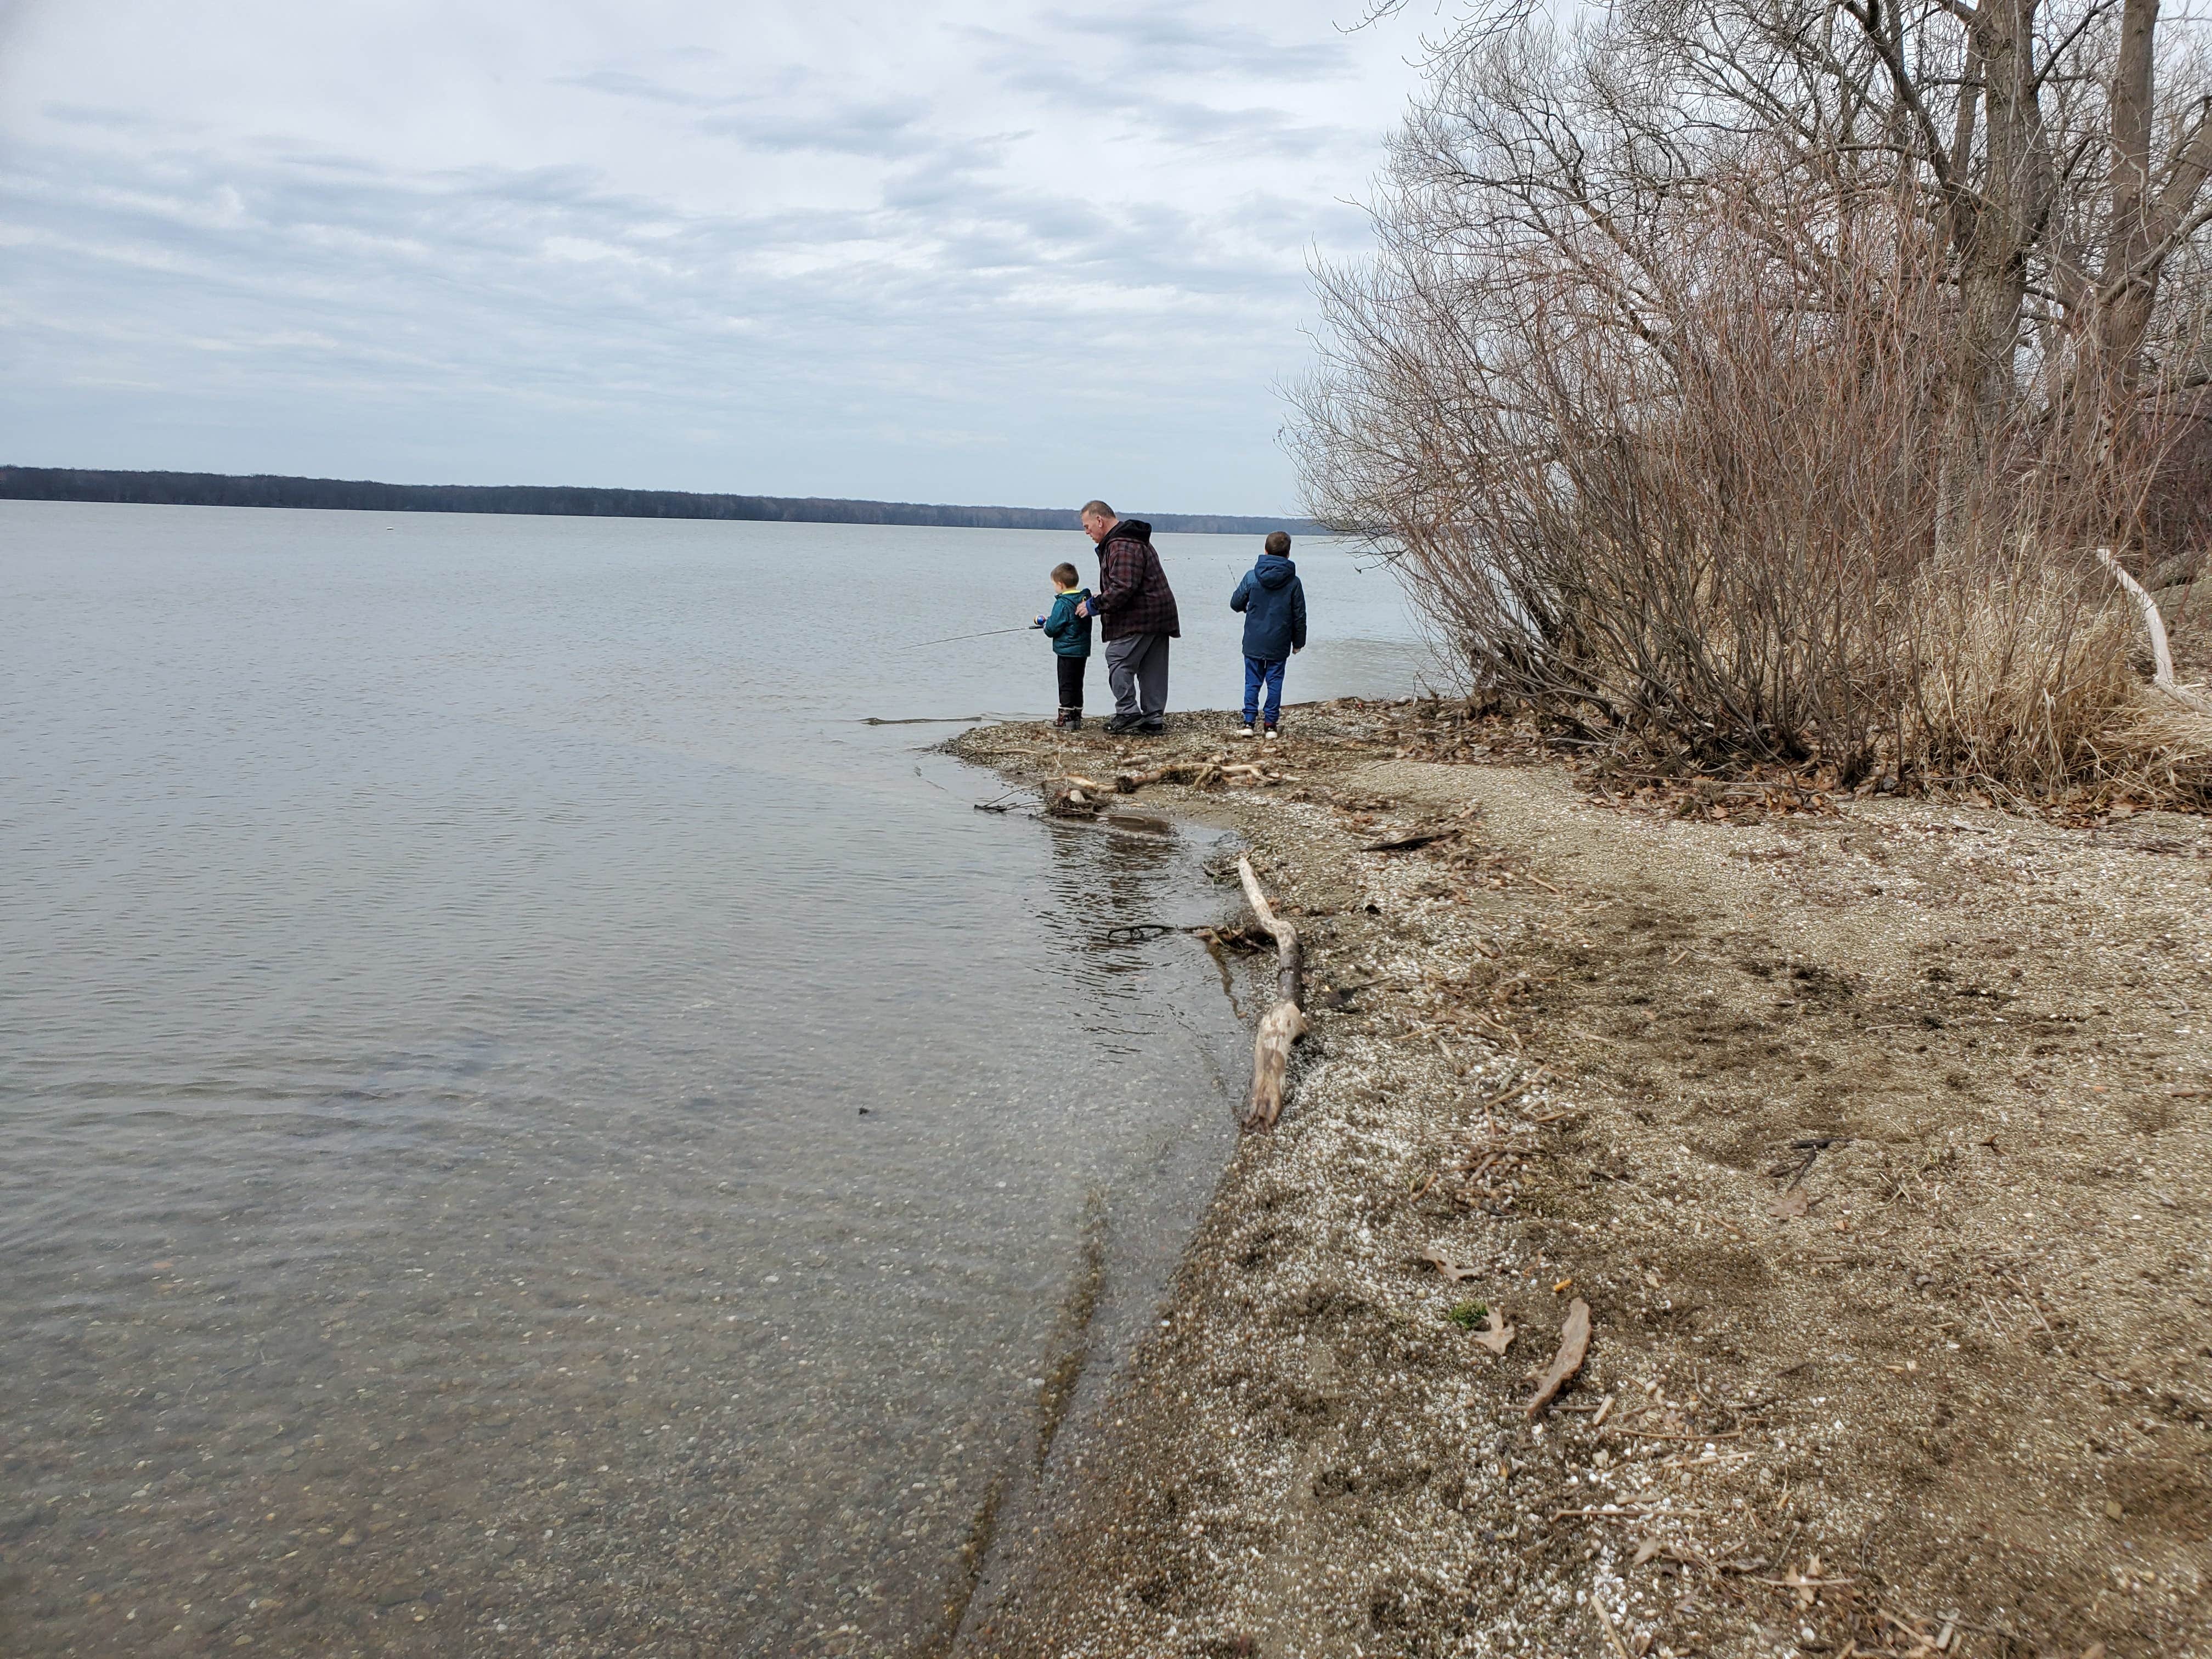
(987, 634)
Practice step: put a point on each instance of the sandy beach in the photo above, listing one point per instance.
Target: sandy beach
(1872, 1131)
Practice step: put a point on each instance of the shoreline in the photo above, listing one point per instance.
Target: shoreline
(1945, 1372)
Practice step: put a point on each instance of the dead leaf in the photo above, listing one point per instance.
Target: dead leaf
(1574, 1343)
(1454, 1271)
(1791, 1204)
(1805, 1582)
(1645, 1550)
(1500, 1334)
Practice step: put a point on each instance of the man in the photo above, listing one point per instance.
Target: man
(1136, 609)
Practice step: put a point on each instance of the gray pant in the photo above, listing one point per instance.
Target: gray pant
(1137, 669)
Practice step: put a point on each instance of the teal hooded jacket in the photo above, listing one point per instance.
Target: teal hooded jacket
(1070, 634)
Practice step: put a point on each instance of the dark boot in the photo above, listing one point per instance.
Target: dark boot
(1069, 719)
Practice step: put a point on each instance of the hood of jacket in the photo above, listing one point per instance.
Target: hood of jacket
(1135, 530)
(1273, 571)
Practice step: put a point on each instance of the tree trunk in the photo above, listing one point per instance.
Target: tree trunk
(2125, 299)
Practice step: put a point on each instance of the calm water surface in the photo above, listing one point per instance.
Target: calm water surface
(528, 1128)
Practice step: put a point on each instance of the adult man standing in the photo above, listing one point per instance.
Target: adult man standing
(1136, 609)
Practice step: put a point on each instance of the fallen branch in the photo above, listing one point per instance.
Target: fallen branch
(1284, 1023)
(1199, 773)
(2162, 654)
(1629, 1512)
(1574, 1343)
(1612, 1635)
(1408, 842)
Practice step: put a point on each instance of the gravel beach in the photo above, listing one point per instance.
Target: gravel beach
(1872, 1132)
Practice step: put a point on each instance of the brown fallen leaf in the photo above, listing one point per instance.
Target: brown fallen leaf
(1454, 1271)
(1498, 1334)
(1791, 1204)
(1574, 1343)
(1645, 1550)
(1805, 1582)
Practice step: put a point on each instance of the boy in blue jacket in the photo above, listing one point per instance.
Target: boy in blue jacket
(1070, 634)
(1274, 601)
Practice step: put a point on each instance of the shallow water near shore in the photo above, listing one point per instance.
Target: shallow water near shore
(530, 1128)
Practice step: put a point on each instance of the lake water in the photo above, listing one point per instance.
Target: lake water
(528, 1128)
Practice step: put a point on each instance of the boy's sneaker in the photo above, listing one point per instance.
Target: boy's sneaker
(1273, 734)
(1244, 731)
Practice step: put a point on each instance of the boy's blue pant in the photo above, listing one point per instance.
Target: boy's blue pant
(1258, 672)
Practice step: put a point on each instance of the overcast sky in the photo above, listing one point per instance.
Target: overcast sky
(940, 250)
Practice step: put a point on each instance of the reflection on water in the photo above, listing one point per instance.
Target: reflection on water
(530, 1128)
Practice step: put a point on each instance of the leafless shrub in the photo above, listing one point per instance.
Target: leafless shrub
(1673, 390)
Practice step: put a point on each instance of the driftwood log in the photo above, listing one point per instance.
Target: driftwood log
(1072, 795)
(2162, 653)
(1199, 775)
(1284, 1023)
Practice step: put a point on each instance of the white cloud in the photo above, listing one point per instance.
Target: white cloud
(955, 253)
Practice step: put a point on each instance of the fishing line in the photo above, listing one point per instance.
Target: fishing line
(951, 639)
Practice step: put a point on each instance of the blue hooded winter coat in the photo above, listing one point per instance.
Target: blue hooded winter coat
(1274, 601)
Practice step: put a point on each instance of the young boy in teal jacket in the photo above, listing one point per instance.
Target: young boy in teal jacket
(1070, 634)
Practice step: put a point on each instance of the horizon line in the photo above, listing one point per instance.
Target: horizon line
(167, 487)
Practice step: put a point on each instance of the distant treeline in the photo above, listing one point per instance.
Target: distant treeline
(58, 484)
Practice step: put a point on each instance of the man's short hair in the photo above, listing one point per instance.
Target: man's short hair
(1099, 510)
(1279, 543)
(1066, 574)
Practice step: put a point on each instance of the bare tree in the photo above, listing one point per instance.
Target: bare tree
(2061, 148)
(1757, 377)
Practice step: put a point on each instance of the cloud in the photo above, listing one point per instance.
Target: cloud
(1162, 40)
(982, 264)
